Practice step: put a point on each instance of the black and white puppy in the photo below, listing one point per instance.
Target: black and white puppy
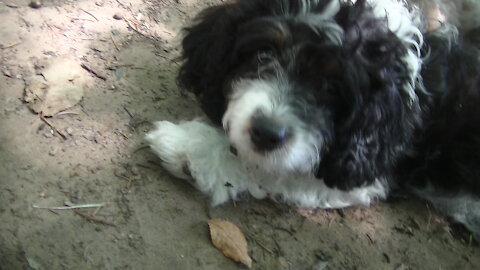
(328, 104)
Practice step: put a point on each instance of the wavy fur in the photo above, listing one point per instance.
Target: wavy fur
(369, 100)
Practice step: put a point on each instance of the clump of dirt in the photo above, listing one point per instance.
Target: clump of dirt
(119, 58)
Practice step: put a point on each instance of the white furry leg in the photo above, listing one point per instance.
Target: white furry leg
(168, 141)
(198, 152)
(201, 153)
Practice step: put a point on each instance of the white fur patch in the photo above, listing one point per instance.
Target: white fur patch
(223, 176)
(404, 25)
(322, 22)
(249, 96)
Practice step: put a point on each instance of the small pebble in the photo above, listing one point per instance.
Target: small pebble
(118, 16)
(135, 170)
(7, 73)
(49, 53)
(53, 151)
(69, 131)
(35, 4)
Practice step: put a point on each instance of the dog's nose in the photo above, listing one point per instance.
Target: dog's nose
(267, 134)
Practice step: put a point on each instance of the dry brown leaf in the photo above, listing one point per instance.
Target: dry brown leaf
(228, 238)
(60, 87)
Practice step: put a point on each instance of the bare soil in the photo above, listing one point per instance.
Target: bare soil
(94, 152)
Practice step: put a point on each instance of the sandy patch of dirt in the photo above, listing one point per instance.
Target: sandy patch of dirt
(150, 220)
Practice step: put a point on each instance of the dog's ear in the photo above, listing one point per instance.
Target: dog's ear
(378, 124)
(353, 163)
(379, 116)
(207, 47)
(369, 146)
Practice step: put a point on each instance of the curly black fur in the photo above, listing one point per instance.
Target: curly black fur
(373, 128)
(447, 148)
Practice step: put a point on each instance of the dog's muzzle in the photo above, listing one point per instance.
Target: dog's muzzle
(268, 134)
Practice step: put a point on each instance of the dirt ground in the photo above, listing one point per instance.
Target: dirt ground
(120, 73)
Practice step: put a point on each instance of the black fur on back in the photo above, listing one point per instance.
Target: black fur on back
(447, 149)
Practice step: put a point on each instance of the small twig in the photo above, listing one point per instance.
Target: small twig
(114, 43)
(96, 211)
(119, 175)
(122, 134)
(144, 166)
(84, 110)
(11, 45)
(135, 29)
(53, 212)
(52, 127)
(129, 179)
(95, 220)
(66, 113)
(70, 207)
(284, 229)
(82, 19)
(11, 5)
(155, 163)
(54, 26)
(129, 183)
(119, 65)
(263, 246)
(370, 239)
(128, 112)
(96, 74)
(131, 26)
(122, 4)
(89, 14)
(141, 148)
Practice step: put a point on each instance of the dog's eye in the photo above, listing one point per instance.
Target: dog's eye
(265, 56)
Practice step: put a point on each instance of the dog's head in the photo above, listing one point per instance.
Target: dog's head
(311, 86)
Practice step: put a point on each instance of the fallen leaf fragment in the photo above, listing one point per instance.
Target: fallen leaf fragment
(60, 86)
(228, 238)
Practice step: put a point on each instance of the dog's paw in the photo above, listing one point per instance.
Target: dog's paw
(169, 142)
